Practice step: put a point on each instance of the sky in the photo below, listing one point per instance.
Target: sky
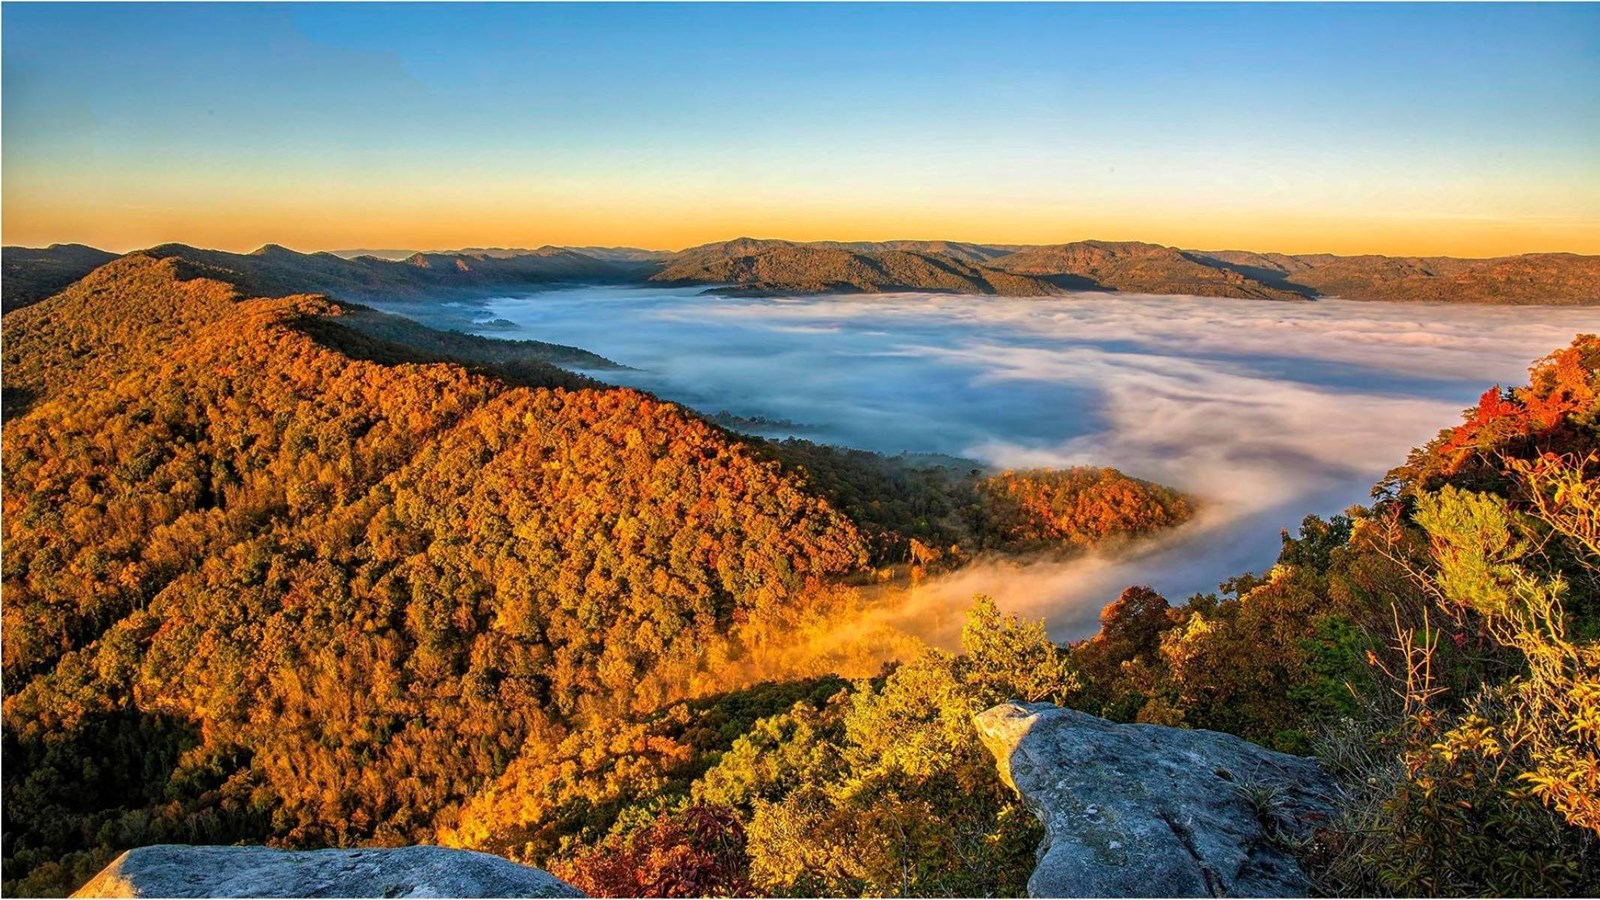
(1469, 130)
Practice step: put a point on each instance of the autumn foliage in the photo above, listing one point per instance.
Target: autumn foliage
(1553, 413)
(279, 570)
(272, 575)
(698, 851)
(352, 592)
(1078, 507)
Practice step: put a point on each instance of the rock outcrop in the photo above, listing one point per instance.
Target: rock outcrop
(176, 870)
(1151, 811)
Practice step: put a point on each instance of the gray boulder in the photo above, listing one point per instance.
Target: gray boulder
(178, 870)
(1151, 811)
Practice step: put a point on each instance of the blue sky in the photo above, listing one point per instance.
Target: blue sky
(449, 124)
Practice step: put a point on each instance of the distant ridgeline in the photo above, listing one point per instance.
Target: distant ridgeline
(759, 267)
(283, 569)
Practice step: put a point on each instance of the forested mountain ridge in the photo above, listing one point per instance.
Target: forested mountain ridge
(764, 267)
(759, 267)
(241, 545)
(1137, 268)
(773, 266)
(1528, 278)
(609, 254)
(283, 569)
(958, 250)
(113, 317)
(276, 269)
(272, 270)
(105, 324)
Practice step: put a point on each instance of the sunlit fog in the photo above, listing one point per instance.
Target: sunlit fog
(1264, 411)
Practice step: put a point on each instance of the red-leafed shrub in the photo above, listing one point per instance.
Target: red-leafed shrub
(696, 851)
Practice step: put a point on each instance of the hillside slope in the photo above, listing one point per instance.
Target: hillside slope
(103, 326)
(221, 531)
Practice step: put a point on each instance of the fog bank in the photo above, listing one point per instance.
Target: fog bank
(1266, 411)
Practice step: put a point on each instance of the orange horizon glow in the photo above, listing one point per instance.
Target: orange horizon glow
(313, 230)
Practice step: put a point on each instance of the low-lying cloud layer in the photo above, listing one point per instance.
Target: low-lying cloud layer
(1266, 411)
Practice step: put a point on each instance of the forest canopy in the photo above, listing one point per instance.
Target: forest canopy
(287, 570)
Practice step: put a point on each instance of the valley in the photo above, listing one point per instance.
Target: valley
(1235, 403)
(800, 450)
(285, 568)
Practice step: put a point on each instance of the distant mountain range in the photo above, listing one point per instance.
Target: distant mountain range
(765, 267)
(760, 267)
(610, 254)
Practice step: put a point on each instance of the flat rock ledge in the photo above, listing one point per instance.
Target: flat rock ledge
(1151, 811)
(180, 870)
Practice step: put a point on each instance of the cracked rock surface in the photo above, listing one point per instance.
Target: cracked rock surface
(1151, 811)
(179, 870)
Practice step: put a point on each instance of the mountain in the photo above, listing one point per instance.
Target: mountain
(619, 254)
(280, 568)
(1135, 268)
(30, 274)
(379, 253)
(102, 328)
(543, 264)
(1530, 278)
(606, 254)
(274, 270)
(580, 260)
(967, 253)
(712, 253)
(759, 267)
(753, 266)
(283, 514)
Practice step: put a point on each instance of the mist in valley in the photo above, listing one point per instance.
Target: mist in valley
(1264, 411)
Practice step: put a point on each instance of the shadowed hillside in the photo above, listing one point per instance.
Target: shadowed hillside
(30, 275)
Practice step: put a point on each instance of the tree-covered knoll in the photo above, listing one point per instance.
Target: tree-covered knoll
(912, 512)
